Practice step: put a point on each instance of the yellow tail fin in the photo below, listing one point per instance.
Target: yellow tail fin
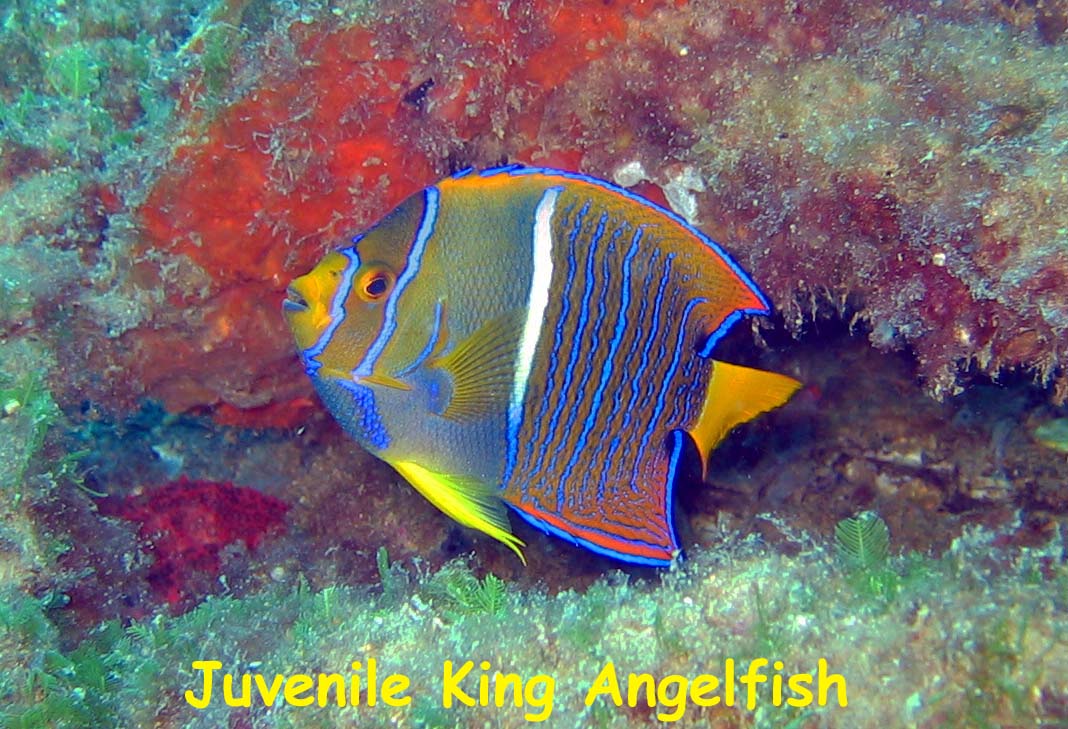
(737, 395)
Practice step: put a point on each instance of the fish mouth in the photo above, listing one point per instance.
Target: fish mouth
(294, 302)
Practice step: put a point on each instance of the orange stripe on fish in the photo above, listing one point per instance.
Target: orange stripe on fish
(537, 339)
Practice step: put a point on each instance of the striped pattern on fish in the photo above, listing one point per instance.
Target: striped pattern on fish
(539, 339)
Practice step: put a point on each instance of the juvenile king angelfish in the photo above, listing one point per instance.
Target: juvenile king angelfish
(539, 339)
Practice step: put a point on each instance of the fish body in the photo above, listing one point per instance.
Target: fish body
(538, 339)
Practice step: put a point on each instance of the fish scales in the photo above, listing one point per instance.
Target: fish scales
(540, 340)
(630, 266)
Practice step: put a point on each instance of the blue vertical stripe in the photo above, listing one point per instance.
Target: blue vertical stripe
(656, 333)
(677, 442)
(431, 196)
(690, 384)
(431, 343)
(575, 346)
(592, 359)
(609, 363)
(337, 312)
(640, 334)
(543, 438)
(667, 376)
(364, 422)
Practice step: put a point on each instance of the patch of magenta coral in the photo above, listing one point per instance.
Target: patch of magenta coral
(185, 526)
(897, 163)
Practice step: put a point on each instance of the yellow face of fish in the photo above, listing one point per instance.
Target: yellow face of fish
(312, 304)
(340, 311)
(310, 298)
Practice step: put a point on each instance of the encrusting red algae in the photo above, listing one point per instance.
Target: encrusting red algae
(897, 163)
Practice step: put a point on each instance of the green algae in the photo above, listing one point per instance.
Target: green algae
(862, 545)
(41, 684)
(1053, 434)
(393, 577)
(28, 411)
(862, 541)
(459, 592)
(75, 71)
(1005, 635)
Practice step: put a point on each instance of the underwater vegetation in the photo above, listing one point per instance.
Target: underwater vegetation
(960, 641)
(1053, 434)
(893, 163)
(891, 174)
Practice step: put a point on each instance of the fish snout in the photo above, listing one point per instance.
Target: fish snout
(294, 301)
(305, 310)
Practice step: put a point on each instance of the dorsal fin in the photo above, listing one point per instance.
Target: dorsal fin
(736, 395)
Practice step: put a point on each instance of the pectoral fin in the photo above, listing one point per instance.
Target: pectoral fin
(736, 395)
(481, 368)
(469, 502)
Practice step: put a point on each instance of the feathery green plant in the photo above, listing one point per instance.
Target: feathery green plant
(393, 577)
(862, 541)
(30, 402)
(863, 546)
(461, 593)
(74, 71)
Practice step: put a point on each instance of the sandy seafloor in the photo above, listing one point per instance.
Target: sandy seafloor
(893, 176)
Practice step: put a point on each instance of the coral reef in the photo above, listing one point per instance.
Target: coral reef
(929, 469)
(891, 174)
(957, 641)
(902, 169)
(186, 524)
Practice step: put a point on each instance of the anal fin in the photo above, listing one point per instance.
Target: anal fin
(624, 544)
(622, 510)
(736, 395)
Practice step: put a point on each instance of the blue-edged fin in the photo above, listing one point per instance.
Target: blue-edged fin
(469, 502)
(481, 368)
(736, 395)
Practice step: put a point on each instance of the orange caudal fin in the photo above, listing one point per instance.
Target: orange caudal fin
(736, 395)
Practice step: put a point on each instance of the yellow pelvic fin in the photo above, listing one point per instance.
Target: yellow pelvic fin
(384, 380)
(374, 378)
(335, 373)
(470, 502)
(482, 368)
(736, 395)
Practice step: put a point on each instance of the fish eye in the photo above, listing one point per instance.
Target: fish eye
(376, 286)
(375, 283)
